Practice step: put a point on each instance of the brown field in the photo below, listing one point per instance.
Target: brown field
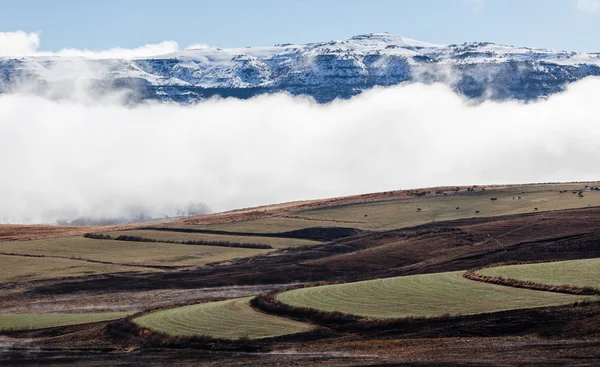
(126, 252)
(22, 268)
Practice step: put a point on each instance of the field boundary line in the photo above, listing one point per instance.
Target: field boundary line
(515, 283)
(129, 238)
(163, 267)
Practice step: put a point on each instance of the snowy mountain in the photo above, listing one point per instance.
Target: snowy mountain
(325, 71)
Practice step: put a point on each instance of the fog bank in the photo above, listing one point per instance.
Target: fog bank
(61, 160)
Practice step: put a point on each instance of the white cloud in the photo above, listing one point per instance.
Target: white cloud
(119, 53)
(19, 43)
(61, 160)
(588, 6)
(197, 46)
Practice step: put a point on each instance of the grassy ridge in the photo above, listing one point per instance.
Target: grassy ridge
(404, 212)
(41, 321)
(230, 319)
(427, 295)
(574, 273)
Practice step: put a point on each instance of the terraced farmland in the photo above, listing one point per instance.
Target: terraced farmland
(575, 273)
(425, 295)
(41, 321)
(230, 319)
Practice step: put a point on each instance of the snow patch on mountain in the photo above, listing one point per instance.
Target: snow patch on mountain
(323, 70)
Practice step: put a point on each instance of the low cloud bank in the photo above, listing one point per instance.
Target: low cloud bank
(20, 44)
(67, 160)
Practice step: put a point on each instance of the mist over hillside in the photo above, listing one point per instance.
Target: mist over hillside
(93, 157)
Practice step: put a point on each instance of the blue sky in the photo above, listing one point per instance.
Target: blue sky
(103, 24)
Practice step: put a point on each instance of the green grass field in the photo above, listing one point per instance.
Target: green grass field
(230, 319)
(182, 236)
(41, 321)
(576, 273)
(19, 268)
(401, 213)
(426, 295)
(126, 252)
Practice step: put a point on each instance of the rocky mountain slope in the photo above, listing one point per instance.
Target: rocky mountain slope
(325, 70)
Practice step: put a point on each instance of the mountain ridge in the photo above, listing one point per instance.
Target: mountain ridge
(322, 70)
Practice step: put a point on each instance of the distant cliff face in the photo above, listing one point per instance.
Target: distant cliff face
(324, 71)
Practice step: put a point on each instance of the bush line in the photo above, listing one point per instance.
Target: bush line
(100, 236)
(339, 321)
(509, 282)
(267, 302)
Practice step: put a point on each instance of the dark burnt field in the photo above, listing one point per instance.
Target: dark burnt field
(564, 335)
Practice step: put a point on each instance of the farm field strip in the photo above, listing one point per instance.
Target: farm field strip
(24, 268)
(230, 319)
(264, 225)
(42, 321)
(574, 273)
(182, 236)
(401, 213)
(427, 295)
(127, 252)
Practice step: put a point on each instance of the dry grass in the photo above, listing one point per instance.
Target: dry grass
(19, 268)
(124, 252)
(27, 232)
(405, 213)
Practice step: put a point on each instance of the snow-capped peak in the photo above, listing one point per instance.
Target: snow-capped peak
(324, 70)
